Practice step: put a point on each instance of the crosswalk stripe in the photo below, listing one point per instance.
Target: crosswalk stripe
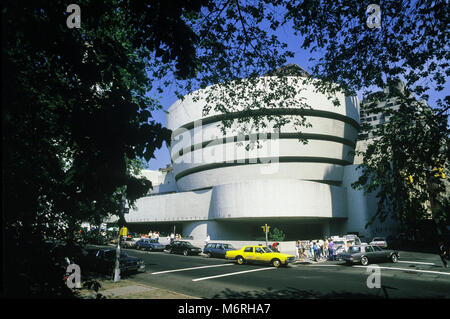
(192, 268)
(232, 274)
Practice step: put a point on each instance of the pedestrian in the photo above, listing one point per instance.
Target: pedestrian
(319, 250)
(207, 239)
(330, 249)
(297, 250)
(315, 251)
(311, 251)
(304, 252)
(325, 248)
(443, 253)
(275, 247)
(172, 237)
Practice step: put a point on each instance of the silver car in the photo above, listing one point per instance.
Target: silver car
(366, 254)
(379, 241)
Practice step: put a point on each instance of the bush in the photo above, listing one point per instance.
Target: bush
(276, 235)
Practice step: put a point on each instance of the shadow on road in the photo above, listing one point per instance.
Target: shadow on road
(294, 293)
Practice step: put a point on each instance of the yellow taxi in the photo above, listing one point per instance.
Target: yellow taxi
(259, 254)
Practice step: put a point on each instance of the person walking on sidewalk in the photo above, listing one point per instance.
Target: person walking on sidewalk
(315, 248)
(330, 250)
(297, 250)
(443, 253)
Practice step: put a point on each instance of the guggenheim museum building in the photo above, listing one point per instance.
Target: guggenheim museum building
(228, 183)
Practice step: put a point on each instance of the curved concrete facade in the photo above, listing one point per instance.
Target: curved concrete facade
(203, 156)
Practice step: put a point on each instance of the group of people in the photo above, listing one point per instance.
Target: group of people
(151, 234)
(172, 237)
(316, 250)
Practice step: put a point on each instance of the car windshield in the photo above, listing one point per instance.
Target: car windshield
(227, 246)
(267, 249)
(154, 241)
(354, 249)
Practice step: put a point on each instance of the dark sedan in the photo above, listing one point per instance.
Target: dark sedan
(183, 247)
(217, 249)
(103, 260)
(366, 254)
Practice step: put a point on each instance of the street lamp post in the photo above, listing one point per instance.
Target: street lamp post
(123, 231)
(266, 230)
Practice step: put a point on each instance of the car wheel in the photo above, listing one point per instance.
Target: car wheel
(240, 260)
(185, 253)
(394, 258)
(209, 255)
(276, 263)
(169, 250)
(364, 261)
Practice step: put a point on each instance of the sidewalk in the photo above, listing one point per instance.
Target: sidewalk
(127, 289)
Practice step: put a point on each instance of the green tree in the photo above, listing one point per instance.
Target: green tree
(77, 113)
(411, 44)
(276, 235)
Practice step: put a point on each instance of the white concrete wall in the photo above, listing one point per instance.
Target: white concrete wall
(189, 110)
(171, 207)
(269, 171)
(277, 198)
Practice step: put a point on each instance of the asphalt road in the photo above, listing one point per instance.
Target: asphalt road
(414, 276)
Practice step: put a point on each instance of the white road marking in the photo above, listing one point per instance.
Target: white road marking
(324, 265)
(408, 269)
(232, 274)
(192, 268)
(414, 262)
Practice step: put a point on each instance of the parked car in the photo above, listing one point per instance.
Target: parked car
(217, 249)
(352, 240)
(183, 247)
(339, 243)
(129, 243)
(338, 252)
(259, 254)
(103, 260)
(366, 254)
(379, 241)
(151, 244)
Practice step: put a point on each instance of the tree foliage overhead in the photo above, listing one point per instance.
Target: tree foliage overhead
(411, 44)
(406, 160)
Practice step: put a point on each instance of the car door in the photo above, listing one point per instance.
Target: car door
(259, 255)
(219, 251)
(371, 254)
(176, 248)
(381, 254)
(249, 254)
(213, 249)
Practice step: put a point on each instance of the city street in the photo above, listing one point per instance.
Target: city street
(416, 275)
